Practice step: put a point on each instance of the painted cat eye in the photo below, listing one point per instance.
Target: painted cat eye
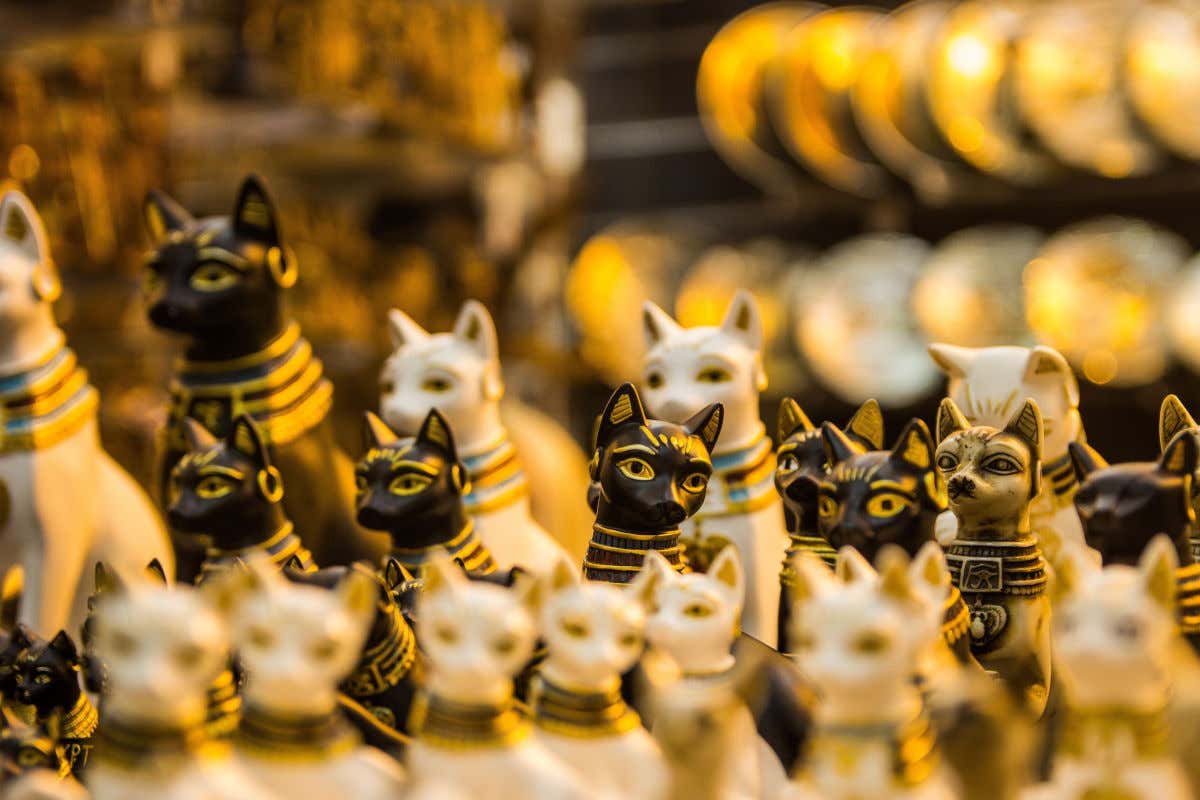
(789, 463)
(505, 645)
(41, 679)
(886, 504)
(445, 634)
(261, 638)
(213, 277)
(150, 282)
(30, 758)
(212, 487)
(409, 483)
(187, 655)
(360, 484)
(947, 462)
(695, 483)
(1127, 629)
(1002, 465)
(436, 385)
(636, 469)
(387, 387)
(713, 375)
(630, 640)
(871, 643)
(697, 611)
(655, 380)
(800, 640)
(324, 649)
(827, 506)
(122, 644)
(576, 630)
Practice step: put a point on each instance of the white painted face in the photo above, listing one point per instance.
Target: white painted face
(27, 278)
(296, 642)
(1114, 622)
(593, 631)
(476, 636)
(161, 649)
(458, 373)
(685, 369)
(989, 384)
(694, 618)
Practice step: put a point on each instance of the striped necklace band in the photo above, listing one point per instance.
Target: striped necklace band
(466, 547)
(956, 617)
(280, 547)
(1187, 598)
(133, 747)
(748, 478)
(913, 747)
(496, 477)
(812, 544)
(1059, 475)
(616, 556)
(224, 707)
(45, 404)
(386, 662)
(269, 736)
(1102, 733)
(580, 715)
(1007, 568)
(445, 724)
(81, 720)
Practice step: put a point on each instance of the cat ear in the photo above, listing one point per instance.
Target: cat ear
(528, 590)
(163, 216)
(915, 446)
(867, 425)
(1173, 417)
(951, 359)
(376, 432)
(403, 330)
(358, 592)
(1181, 455)
(108, 580)
(226, 589)
(475, 328)
(1085, 460)
(198, 437)
(657, 324)
(727, 569)
(950, 420)
(928, 569)
(65, 647)
(156, 573)
(1075, 561)
(655, 570)
(838, 446)
(623, 408)
(810, 577)
(852, 567)
(894, 578)
(246, 438)
(23, 636)
(436, 431)
(21, 225)
(564, 575)
(395, 574)
(254, 215)
(1026, 425)
(743, 320)
(1046, 361)
(1157, 566)
(293, 564)
(707, 425)
(441, 574)
(11, 591)
(792, 419)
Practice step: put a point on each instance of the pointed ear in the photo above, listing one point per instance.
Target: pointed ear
(623, 408)
(23, 635)
(838, 446)
(156, 573)
(1157, 566)
(657, 324)
(403, 330)
(727, 569)
(293, 564)
(376, 432)
(358, 592)
(564, 575)
(21, 225)
(1026, 425)
(928, 569)
(707, 425)
(108, 580)
(952, 360)
(396, 574)
(852, 567)
(743, 320)
(65, 647)
(792, 419)
(866, 426)
(246, 438)
(1173, 417)
(476, 328)
(651, 576)
(1181, 455)
(528, 590)
(950, 420)
(163, 215)
(915, 446)
(441, 574)
(810, 577)
(436, 431)
(11, 592)
(198, 437)
(1085, 460)
(894, 578)
(254, 215)
(1046, 361)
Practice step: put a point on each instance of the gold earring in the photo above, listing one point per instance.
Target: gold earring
(46, 286)
(280, 265)
(270, 484)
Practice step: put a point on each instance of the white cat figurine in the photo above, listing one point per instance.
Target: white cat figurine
(989, 384)
(594, 633)
(468, 732)
(296, 644)
(694, 621)
(685, 369)
(50, 446)
(459, 374)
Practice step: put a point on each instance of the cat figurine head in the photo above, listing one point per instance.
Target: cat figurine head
(686, 369)
(650, 474)
(1123, 506)
(29, 281)
(801, 462)
(47, 675)
(873, 498)
(1114, 622)
(414, 487)
(457, 372)
(992, 474)
(475, 635)
(695, 617)
(219, 279)
(226, 489)
(989, 383)
(1174, 417)
(13, 644)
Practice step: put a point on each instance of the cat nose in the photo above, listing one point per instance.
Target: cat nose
(960, 485)
(672, 513)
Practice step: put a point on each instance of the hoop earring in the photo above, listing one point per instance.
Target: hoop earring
(270, 484)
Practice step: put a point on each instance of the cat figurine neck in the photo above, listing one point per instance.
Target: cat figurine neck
(220, 283)
(50, 445)
(468, 732)
(48, 679)
(650, 476)
(685, 370)
(413, 489)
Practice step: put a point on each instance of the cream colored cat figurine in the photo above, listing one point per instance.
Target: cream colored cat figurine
(594, 634)
(694, 621)
(1114, 638)
(161, 649)
(295, 645)
(50, 446)
(468, 732)
(686, 369)
(459, 374)
(989, 384)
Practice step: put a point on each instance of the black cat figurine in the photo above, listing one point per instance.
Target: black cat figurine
(220, 282)
(15, 642)
(230, 493)
(48, 679)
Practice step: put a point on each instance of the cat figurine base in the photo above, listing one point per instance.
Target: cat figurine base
(50, 444)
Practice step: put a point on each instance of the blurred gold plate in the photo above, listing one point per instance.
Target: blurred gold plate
(1162, 73)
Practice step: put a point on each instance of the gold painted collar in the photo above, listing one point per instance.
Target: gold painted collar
(580, 715)
(274, 737)
(438, 722)
(45, 404)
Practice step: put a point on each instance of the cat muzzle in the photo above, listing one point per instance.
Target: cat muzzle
(671, 513)
(960, 485)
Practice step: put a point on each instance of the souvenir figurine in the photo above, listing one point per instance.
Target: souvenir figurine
(858, 640)
(413, 489)
(1113, 637)
(162, 649)
(220, 282)
(47, 678)
(468, 732)
(459, 374)
(694, 621)
(1173, 417)
(594, 634)
(1124, 506)
(15, 642)
(25, 750)
(49, 444)
(295, 644)
(685, 370)
(992, 476)
(987, 383)
(229, 492)
(801, 463)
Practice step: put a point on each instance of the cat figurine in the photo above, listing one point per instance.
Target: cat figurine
(48, 679)
(220, 283)
(988, 384)
(694, 621)
(855, 635)
(413, 489)
(229, 492)
(50, 445)
(992, 477)
(1173, 417)
(468, 732)
(685, 370)
(459, 374)
(594, 633)
(1113, 636)
(295, 644)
